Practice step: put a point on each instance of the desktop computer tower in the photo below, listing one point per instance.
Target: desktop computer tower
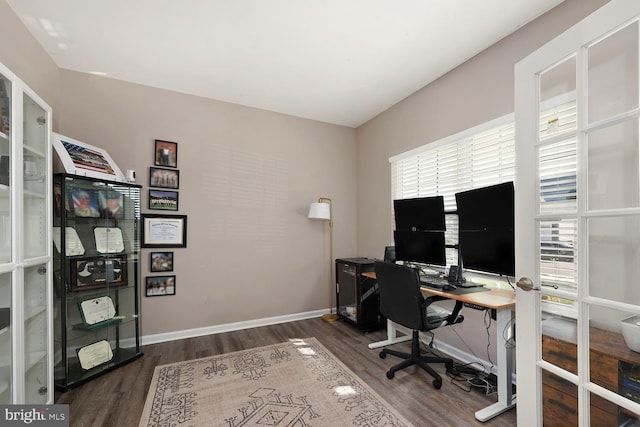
(358, 299)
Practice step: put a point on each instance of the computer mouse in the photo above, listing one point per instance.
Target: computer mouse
(449, 287)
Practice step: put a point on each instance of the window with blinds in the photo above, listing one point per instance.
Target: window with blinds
(478, 157)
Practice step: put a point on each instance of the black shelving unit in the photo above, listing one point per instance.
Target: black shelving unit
(357, 295)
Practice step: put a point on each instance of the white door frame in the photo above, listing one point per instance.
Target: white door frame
(528, 351)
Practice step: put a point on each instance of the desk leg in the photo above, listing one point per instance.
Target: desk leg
(506, 398)
(392, 338)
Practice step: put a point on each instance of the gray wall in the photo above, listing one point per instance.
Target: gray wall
(477, 91)
(247, 177)
(24, 56)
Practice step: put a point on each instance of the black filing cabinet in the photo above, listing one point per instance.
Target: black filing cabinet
(357, 295)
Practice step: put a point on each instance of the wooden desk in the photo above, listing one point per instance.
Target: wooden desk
(503, 302)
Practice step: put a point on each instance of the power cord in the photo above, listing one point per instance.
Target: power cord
(464, 375)
(478, 360)
(509, 282)
(487, 324)
(509, 342)
(467, 381)
(472, 375)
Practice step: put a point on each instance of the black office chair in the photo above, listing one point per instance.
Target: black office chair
(402, 302)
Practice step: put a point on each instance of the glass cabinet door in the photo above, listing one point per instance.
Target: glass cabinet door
(25, 249)
(6, 240)
(34, 158)
(36, 334)
(5, 155)
(35, 245)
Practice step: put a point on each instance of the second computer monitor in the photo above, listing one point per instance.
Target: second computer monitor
(419, 214)
(425, 247)
(486, 229)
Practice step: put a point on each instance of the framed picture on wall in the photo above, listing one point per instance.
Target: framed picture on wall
(160, 285)
(161, 262)
(160, 200)
(164, 231)
(164, 178)
(166, 154)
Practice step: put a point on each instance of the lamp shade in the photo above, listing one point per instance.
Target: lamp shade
(320, 211)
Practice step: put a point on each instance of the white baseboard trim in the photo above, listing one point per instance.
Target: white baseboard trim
(228, 327)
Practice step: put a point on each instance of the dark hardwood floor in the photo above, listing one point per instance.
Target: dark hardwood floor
(117, 398)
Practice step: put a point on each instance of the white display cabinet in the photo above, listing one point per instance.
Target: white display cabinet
(26, 341)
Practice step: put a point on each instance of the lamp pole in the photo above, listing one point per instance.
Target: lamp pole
(330, 317)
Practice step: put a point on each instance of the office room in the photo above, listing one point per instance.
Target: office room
(255, 271)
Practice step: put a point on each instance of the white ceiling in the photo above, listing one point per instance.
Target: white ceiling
(337, 61)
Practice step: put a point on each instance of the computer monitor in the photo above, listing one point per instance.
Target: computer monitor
(489, 251)
(419, 214)
(486, 229)
(425, 247)
(486, 207)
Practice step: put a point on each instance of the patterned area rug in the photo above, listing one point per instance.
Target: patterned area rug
(298, 383)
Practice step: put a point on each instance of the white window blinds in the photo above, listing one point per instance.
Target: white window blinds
(477, 157)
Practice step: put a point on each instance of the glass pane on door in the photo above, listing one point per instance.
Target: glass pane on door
(559, 401)
(558, 254)
(614, 357)
(613, 187)
(558, 99)
(560, 337)
(605, 413)
(613, 74)
(557, 170)
(613, 248)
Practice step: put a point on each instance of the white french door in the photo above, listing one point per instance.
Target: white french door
(578, 224)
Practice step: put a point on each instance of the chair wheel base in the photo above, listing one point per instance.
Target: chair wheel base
(382, 354)
(390, 374)
(437, 383)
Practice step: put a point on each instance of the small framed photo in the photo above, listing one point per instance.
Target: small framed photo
(161, 262)
(160, 200)
(164, 178)
(160, 285)
(85, 203)
(166, 154)
(164, 231)
(111, 204)
(98, 272)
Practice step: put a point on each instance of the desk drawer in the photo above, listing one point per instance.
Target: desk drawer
(559, 405)
(561, 353)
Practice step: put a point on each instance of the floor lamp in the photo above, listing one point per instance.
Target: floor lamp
(321, 211)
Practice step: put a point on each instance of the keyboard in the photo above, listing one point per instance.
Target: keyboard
(434, 282)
